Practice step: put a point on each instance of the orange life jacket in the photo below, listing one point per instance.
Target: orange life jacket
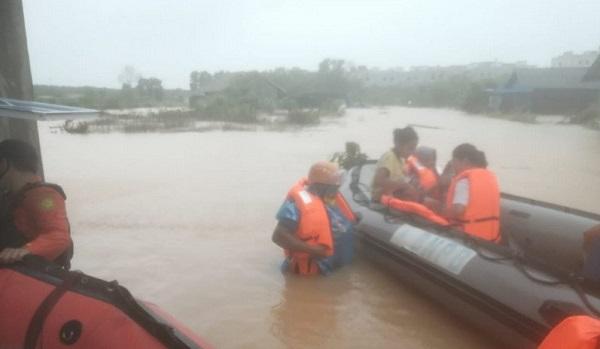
(427, 177)
(413, 208)
(482, 214)
(575, 332)
(314, 227)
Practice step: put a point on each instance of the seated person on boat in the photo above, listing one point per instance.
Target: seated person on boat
(473, 200)
(391, 173)
(350, 157)
(423, 177)
(315, 224)
(33, 219)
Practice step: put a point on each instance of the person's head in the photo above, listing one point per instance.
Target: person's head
(467, 156)
(427, 156)
(405, 141)
(16, 159)
(324, 179)
(352, 148)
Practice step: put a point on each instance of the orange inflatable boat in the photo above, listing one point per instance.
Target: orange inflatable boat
(43, 306)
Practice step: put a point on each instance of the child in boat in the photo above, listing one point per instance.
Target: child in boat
(422, 171)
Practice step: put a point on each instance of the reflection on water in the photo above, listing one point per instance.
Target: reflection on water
(307, 314)
(184, 220)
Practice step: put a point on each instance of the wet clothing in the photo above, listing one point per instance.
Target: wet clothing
(340, 231)
(35, 218)
(575, 332)
(395, 166)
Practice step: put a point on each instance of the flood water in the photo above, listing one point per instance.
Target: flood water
(184, 220)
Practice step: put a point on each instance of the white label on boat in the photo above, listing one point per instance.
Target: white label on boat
(443, 252)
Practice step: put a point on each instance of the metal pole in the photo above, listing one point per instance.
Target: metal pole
(15, 74)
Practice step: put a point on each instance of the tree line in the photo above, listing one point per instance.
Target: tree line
(242, 96)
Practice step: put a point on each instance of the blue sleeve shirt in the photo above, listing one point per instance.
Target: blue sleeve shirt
(289, 216)
(341, 228)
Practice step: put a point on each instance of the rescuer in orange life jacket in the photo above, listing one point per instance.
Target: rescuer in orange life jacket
(473, 199)
(33, 218)
(574, 332)
(315, 224)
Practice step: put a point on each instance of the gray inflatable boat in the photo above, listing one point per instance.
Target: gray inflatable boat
(515, 292)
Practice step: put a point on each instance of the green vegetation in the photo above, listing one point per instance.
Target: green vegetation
(297, 96)
(589, 117)
(456, 92)
(169, 121)
(302, 94)
(476, 99)
(136, 91)
(110, 98)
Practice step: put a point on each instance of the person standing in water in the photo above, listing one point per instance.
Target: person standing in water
(34, 219)
(315, 224)
(391, 171)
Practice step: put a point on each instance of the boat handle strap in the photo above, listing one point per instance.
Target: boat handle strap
(37, 322)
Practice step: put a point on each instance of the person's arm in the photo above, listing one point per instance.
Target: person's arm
(455, 211)
(47, 213)
(460, 200)
(447, 174)
(12, 255)
(433, 204)
(9, 255)
(285, 238)
(382, 180)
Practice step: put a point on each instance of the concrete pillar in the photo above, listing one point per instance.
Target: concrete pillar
(15, 74)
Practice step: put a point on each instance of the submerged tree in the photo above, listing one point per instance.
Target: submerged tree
(129, 76)
(150, 88)
(199, 80)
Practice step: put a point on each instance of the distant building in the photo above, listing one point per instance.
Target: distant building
(423, 75)
(381, 78)
(549, 90)
(575, 60)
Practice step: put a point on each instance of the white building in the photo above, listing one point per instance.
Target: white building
(575, 60)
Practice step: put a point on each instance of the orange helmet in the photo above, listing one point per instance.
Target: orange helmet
(324, 172)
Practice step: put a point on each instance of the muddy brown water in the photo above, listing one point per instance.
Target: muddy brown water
(184, 220)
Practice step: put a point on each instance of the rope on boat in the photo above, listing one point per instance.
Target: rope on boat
(520, 260)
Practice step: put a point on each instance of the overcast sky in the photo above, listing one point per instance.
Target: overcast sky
(88, 42)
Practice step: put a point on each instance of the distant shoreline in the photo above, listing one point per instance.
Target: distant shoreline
(184, 119)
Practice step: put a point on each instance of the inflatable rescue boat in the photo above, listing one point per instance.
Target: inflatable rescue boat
(43, 306)
(515, 292)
